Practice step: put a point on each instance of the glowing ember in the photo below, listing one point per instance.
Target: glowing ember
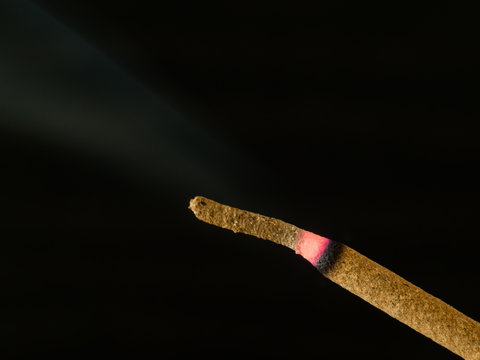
(311, 246)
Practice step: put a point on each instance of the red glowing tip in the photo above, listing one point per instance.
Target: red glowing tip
(311, 246)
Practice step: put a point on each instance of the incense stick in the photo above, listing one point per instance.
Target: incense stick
(356, 273)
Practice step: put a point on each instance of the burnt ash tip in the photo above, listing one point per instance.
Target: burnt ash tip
(247, 222)
(197, 204)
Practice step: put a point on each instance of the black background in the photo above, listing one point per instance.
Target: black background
(356, 121)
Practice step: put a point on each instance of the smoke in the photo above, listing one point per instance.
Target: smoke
(56, 86)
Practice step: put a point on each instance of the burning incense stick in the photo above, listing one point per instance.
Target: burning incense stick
(363, 277)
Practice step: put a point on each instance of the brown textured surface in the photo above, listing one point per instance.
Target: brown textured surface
(407, 303)
(363, 277)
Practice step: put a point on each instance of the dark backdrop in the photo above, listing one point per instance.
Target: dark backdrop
(353, 120)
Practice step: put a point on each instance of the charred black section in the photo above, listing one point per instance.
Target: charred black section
(330, 255)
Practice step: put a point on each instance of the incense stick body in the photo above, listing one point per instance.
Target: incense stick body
(363, 277)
